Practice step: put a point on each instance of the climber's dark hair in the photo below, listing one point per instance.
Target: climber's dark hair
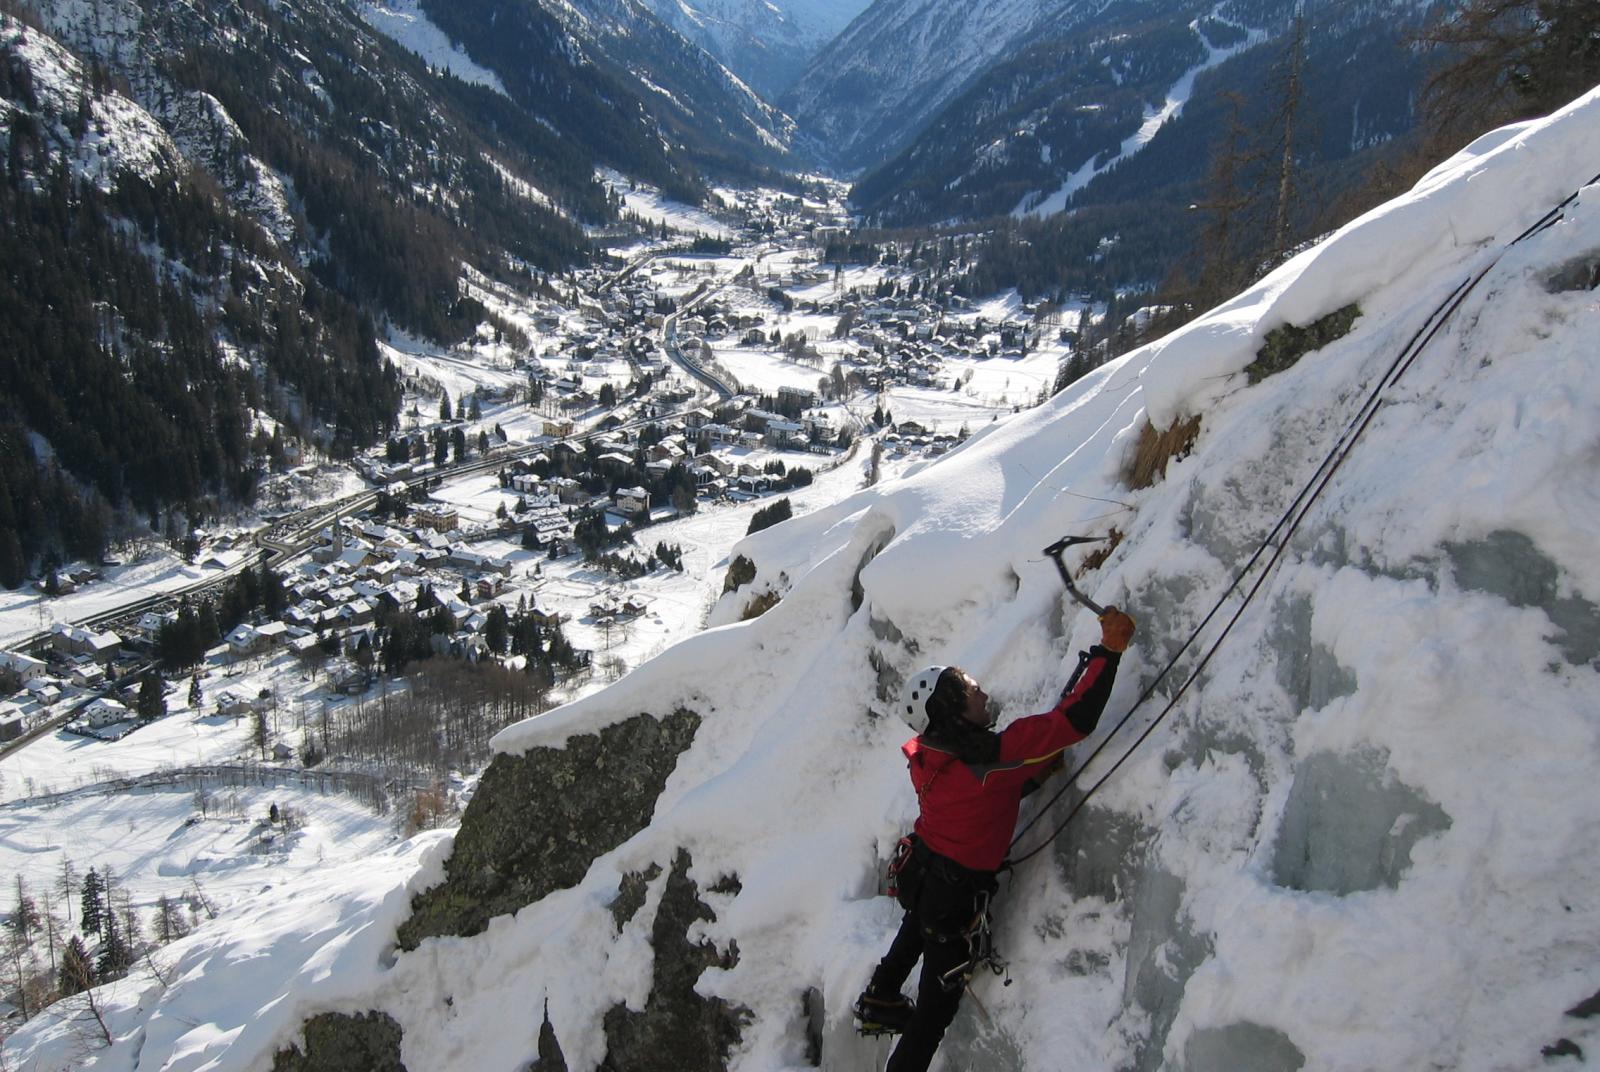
(948, 729)
(948, 698)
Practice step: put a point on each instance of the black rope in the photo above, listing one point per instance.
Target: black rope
(1287, 525)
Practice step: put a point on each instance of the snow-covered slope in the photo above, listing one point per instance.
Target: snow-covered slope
(824, 19)
(899, 62)
(407, 23)
(1362, 840)
(679, 78)
(766, 44)
(123, 134)
(1106, 104)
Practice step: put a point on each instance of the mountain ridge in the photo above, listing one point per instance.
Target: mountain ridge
(767, 45)
(1032, 132)
(909, 57)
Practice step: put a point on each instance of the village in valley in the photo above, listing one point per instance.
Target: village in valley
(559, 501)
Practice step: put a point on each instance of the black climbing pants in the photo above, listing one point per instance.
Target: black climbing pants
(940, 907)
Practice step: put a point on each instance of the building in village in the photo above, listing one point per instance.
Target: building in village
(440, 517)
(26, 667)
(633, 502)
(104, 711)
(72, 640)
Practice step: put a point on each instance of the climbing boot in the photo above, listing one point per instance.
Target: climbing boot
(883, 1014)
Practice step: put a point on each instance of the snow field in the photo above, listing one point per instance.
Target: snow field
(408, 25)
(153, 848)
(650, 204)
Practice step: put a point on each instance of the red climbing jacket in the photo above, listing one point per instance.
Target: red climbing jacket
(970, 810)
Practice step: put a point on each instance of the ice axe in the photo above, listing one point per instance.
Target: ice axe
(1055, 551)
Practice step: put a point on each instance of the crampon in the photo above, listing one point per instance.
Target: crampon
(876, 1017)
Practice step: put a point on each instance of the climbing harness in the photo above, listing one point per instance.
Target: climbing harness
(1277, 540)
(979, 936)
(897, 865)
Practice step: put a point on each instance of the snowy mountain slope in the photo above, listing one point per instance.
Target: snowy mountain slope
(703, 117)
(824, 19)
(123, 134)
(881, 79)
(767, 45)
(407, 23)
(1155, 118)
(1131, 98)
(1360, 841)
(257, 187)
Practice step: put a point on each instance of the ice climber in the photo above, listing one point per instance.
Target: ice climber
(969, 782)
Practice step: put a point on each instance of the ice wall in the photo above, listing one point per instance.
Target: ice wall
(1350, 825)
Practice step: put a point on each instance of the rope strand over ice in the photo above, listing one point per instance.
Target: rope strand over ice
(1278, 539)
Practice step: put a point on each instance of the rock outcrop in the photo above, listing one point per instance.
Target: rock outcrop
(540, 819)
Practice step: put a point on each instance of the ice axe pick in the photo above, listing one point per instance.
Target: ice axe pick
(1055, 551)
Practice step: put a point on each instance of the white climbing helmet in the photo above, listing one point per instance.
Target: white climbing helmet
(914, 697)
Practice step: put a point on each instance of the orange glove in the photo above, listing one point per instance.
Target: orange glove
(1116, 630)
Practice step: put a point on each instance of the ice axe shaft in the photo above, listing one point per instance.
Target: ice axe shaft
(1055, 551)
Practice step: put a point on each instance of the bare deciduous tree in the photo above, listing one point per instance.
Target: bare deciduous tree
(1508, 59)
(67, 884)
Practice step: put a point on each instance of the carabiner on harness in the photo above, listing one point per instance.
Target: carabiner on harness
(980, 948)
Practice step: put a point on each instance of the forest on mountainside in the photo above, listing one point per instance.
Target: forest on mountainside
(1136, 224)
(390, 245)
(117, 393)
(1065, 98)
(1273, 176)
(576, 97)
(695, 121)
(1483, 65)
(163, 316)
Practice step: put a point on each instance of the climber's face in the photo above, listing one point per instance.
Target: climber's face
(977, 710)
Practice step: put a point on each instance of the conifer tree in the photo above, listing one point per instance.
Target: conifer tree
(1288, 114)
(152, 703)
(12, 566)
(274, 598)
(261, 732)
(1509, 59)
(107, 889)
(92, 905)
(52, 936)
(132, 931)
(497, 631)
(77, 974)
(169, 922)
(114, 955)
(20, 955)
